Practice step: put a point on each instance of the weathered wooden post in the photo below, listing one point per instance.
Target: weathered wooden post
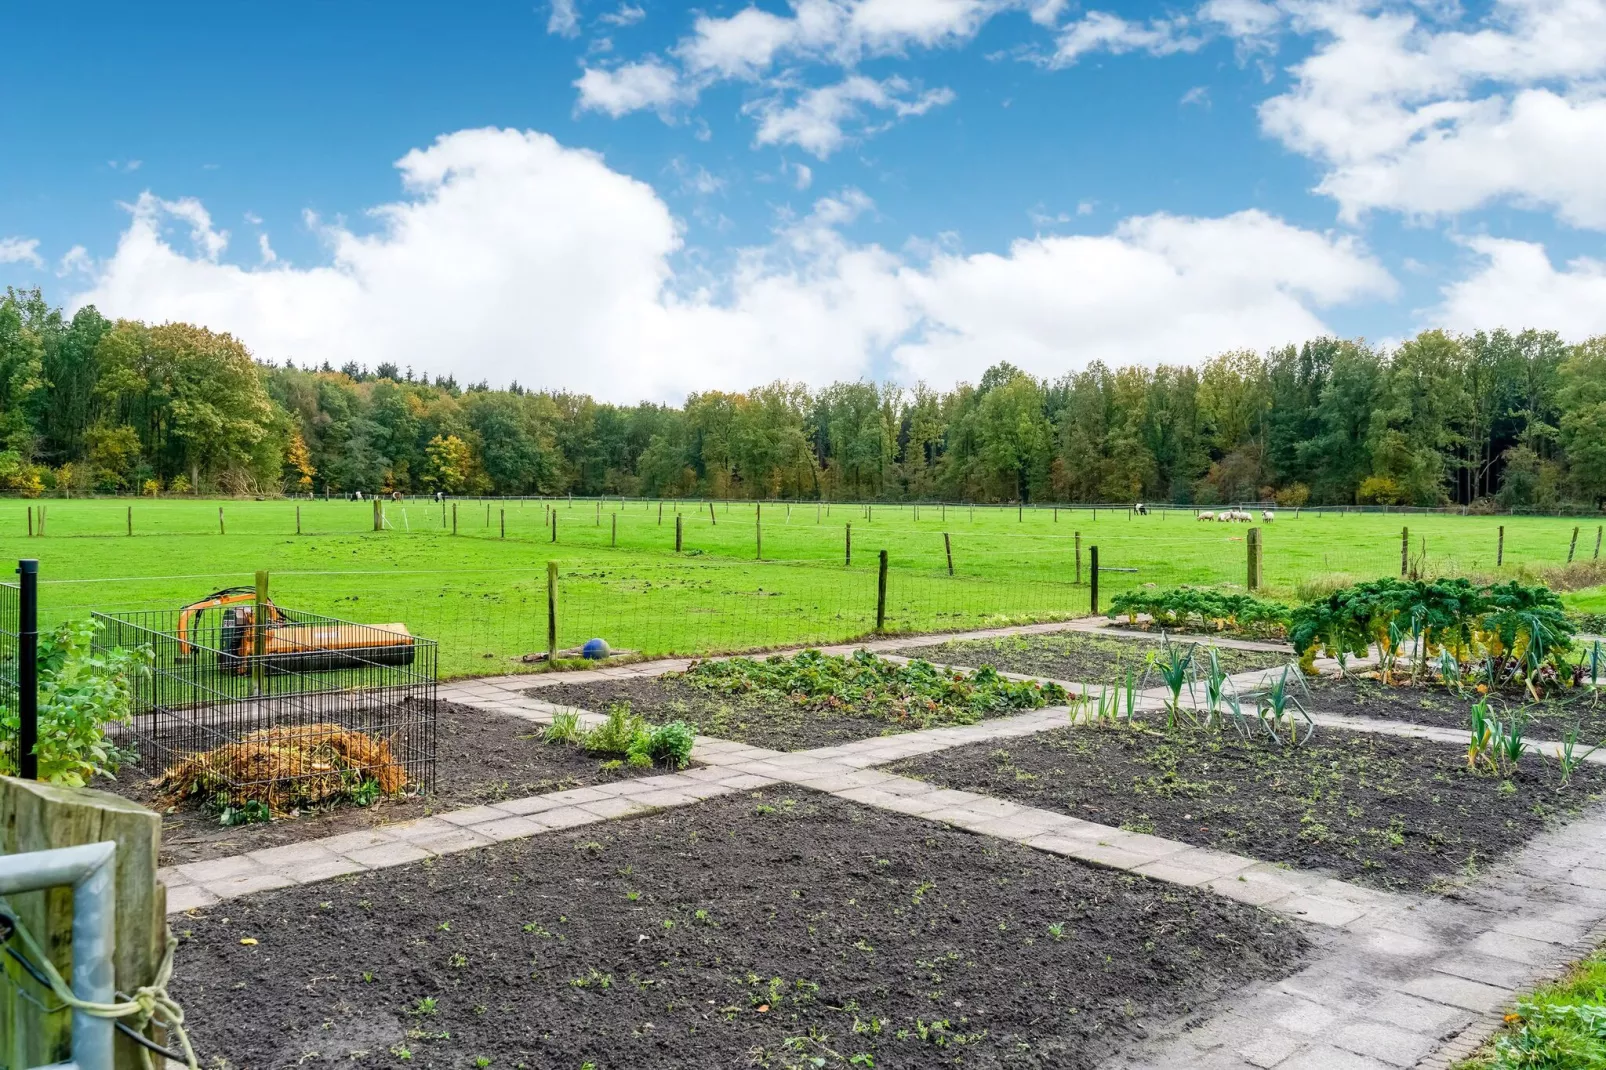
(847, 544)
(948, 548)
(1572, 547)
(220, 529)
(1093, 575)
(677, 532)
(1254, 559)
(1405, 550)
(42, 817)
(1500, 548)
(554, 525)
(131, 519)
(1078, 557)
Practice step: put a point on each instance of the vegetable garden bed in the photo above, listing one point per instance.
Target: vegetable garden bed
(777, 929)
(483, 757)
(1383, 810)
(1431, 703)
(1077, 656)
(809, 700)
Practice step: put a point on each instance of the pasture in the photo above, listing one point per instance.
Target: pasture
(483, 591)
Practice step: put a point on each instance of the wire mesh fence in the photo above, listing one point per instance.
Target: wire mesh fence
(263, 695)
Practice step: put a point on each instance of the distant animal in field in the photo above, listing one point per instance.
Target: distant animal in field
(1141, 509)
(1268, 516)
(1207, 516)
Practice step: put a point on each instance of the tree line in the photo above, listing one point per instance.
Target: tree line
(1503, 419)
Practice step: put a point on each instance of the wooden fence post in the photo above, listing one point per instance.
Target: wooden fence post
(881, 595)
(1500, 548)
(554, 525)
(220, 529)
(454, 518)
(1093, 576)
(847, 544)
(552, 603)
(298, 521)
(1598, 529)
(1572, 547)
(1078, 557)
(39, 816)
(758, 530)
(30, 521)
(131, 519)
(712, 519)
(947, 548)
(501, 516)
(1254, 559)
(1405, 549)
(379, 516)
(677, 532)
(613, 536)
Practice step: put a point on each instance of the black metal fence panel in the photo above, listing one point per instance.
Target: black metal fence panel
(218, 681)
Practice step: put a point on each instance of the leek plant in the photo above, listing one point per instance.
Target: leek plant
(1177, 672)
(1276, 712)
(1570, 758)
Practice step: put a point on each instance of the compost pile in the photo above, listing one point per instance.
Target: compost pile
(286, 767)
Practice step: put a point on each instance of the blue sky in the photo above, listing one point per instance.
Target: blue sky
(644, 198)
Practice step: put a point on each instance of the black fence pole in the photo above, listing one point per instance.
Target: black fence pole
(28, 669)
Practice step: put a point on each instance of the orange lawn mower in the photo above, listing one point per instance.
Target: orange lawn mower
(287, 645)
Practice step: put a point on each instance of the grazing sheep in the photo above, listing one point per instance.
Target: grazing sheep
(1268, 516)
(1207, 516)
(1141, 509)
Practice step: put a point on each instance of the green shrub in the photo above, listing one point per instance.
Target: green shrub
(916, 693)
(1202, 608)
(631, 737)
(81, 691)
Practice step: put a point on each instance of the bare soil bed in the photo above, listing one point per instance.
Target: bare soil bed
(1077, 656)
(777, 929)
(759, 720)
(1386, 811)
(1551, 717)
(481, 757)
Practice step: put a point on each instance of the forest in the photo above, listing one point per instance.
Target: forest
(1490, 420)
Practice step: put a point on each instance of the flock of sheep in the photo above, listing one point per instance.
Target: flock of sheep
(1226, 515)
(1230, 515)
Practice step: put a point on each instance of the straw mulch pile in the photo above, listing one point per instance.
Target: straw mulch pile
(286, 768)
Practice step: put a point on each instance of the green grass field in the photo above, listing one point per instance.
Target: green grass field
(483, 596)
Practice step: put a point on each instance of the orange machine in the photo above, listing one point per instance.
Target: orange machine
(288, 645)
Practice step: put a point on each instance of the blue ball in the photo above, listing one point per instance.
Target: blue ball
(595, 649)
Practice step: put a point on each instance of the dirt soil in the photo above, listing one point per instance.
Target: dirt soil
(1432, 704)
(480, 757)
(1077, 656)
(777, 723)
(779, 929)
(1391, 812)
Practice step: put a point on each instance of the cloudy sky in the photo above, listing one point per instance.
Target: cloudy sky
(641, 198)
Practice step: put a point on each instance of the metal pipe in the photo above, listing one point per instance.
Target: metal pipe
(92, 872)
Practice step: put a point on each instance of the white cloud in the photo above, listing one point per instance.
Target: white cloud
(740, 46)
(1160, 288)
(1426, 118)
(564, 19)
(648, 84)
(75, 261)
(816, 122)
(512, 257)
(802, 175)
(124, 165)
(1099, 31)
(1199, 95)
(625, 15)
(1516, 286)
(1242, 18)
(20, 251)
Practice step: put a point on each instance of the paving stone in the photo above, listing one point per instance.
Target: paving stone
(347, 842)
(452, 840)
(530, 804)
(291, 854)
(1194, 866)
(1306, 1017)
(564, 817)
(916, 805)
(395, 853)
(611, 808)
(170, 876)
(188, 897)
(1329, 1058)
(511, 828)
(473, 815)
(1502, 973)
(218, 869)
(1023, 826)
(667, 798)
(1516, 948)
(1270, 1048)
(1317, 910)
(1459, 992)
(746, 782)
(262, 880)
(1390, 1044)
(1411, 1012)
(578, 795)
(1541, 929)
(868, 796)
